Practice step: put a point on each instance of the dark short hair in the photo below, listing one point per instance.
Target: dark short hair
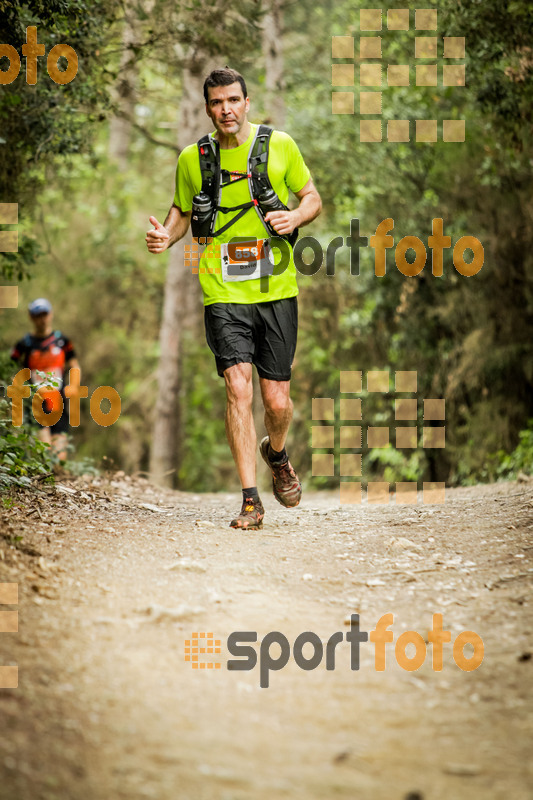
(224, 77)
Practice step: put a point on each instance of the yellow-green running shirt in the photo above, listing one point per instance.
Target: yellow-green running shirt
(286, 170)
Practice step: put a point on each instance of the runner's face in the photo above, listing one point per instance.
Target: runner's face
(41, 322)
(227, 108)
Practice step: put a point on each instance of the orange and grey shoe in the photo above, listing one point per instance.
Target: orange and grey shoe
(285, 482)
(251, 516)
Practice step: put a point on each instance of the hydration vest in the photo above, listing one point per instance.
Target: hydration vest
(263, 196)
(29, 340)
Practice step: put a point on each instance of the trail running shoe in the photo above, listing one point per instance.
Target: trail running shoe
(285, 482)
(251, 516)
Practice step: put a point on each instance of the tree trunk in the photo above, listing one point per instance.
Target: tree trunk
(182, 303)
(273, 57)
(126, 90)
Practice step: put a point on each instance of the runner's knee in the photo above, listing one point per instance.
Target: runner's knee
(277, 403)
(239, 386)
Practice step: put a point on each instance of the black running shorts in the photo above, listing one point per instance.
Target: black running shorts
(263, 334)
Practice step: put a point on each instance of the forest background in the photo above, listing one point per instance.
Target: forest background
(90, 161)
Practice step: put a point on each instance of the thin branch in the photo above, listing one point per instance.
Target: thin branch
(151, 138)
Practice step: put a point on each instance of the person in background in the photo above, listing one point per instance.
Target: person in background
(47, 351)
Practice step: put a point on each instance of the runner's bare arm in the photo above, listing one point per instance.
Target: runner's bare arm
(161, 237)
(285, 222)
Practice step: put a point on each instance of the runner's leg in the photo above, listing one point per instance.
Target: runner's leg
(59, 445)
(45, 435)
(240, 428)
(286, 485)
(278, 410)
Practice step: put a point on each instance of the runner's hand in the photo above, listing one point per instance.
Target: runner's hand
(157, 239)
(283, 222)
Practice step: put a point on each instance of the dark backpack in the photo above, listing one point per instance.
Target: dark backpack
(263, 196)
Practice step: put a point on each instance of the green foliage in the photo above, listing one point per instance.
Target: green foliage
(393, 465)
(90, 217)
(521, 459)
(468, 338)
(499, 62)
(42, 122)
(22, 455)
(17, 266)
(82, 466)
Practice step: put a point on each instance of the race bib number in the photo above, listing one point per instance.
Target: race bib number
(246, 259)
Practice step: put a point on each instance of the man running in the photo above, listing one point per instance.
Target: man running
(48, 351)
(251, 314)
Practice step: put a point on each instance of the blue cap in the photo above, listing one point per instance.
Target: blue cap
(39, 306)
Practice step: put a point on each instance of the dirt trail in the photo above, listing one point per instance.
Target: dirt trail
(115, 575)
